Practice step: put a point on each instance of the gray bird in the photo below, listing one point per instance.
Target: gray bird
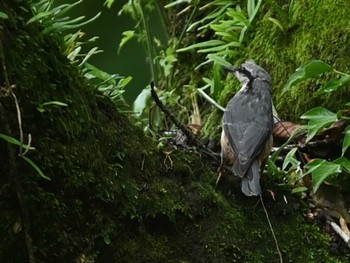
(246, 137)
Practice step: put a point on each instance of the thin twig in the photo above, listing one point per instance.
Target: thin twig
(29, 143)
(272, 231)
(19, 119)
(193, 140)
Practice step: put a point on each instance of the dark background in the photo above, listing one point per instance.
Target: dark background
(132, 59)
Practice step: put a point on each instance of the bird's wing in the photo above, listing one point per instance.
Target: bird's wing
(247, 141)
(248, 125)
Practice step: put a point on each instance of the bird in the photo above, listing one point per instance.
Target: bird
(246, 137)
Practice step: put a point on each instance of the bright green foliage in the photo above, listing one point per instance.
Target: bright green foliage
(321, 170)
(51, 17)
(311, 69)
(318, 118)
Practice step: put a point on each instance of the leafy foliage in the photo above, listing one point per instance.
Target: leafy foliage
(223, 25)
(51, 17)
(319, 118)
(54, 22)
(311, 69)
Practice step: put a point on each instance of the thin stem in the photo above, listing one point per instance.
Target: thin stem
(148, 43)
(272, 231)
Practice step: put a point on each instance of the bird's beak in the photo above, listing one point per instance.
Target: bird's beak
(231, 70)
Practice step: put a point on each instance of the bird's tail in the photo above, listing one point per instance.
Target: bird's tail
(251, 182)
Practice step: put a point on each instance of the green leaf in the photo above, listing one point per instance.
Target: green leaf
(290, 159)
(321, 170)
(253, 9)
(142, 101)
(219, 60)
(219, 48)
(123, 82)
(173, 3)
(311, 69)
(54, 102)
(167, 61)
(35, 167)
(107, 239)
(127, 35)
(319, 118)
(209, 99)
(109, 3)
(217, 87)
(205, 44)
(334, 85)
(15, 141)
(40, 108)
(346, 141)
(344, 162)
(277, 23)
(39, 16)
(100, 74)
(3, 15)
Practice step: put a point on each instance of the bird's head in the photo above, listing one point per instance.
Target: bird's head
(249, 71)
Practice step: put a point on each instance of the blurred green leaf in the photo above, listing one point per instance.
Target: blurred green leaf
(3, 15)
(124, 81)
(107, 239)
(167, 61)
(142, 101)
(319, 118)
(205, 44)
(217, 87)
(277, 23)
(299, 189)
(40, 108)
(94, 72)
(127, 35)
(39, 16)
(311, 69)
(344, 162)
(211, 100)
(253, 9)
(219, 60)
(346, 141)
(173, 3)
(109, 3)
(291, 160)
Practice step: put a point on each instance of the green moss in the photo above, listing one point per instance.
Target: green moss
(315, 30)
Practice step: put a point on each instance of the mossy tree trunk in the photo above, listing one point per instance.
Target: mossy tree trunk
(112, 195)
